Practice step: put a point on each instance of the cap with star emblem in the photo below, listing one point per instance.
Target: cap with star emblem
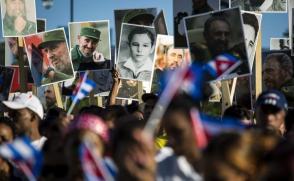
(90, 32)
(52, 37)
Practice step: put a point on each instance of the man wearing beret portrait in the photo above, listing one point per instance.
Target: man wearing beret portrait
(84, 55)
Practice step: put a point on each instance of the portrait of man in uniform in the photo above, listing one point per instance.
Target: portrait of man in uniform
(216, 34)
(49, 57)
(90, 44)
(18, 17)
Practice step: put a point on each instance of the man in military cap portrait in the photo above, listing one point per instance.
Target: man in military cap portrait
(85, 55)
(55, 48)
(16, 19)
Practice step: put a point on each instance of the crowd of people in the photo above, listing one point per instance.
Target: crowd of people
(263, 150)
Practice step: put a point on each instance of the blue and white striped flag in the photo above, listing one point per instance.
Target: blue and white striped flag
(24, 156)
(83, 88)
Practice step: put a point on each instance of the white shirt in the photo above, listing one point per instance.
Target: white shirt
(174, 168)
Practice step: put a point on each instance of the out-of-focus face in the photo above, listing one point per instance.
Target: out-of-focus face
(180, 133)
(57, 53)
(87, 45)
(50, 96)
(141, 47)
(12, 43)
(6, 134)
(23, 121)
(274, 119)
(131, 83)
(272, 74)
(15, 8)
(174, 58)
(249, 39)
(218, 37)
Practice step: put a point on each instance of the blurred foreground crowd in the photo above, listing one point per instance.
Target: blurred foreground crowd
(115, 135)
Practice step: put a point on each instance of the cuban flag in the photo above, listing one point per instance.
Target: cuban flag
(188, 79)
(83, 88)
(222, 65)
(24, 156)
(205, 127)
(95, 168)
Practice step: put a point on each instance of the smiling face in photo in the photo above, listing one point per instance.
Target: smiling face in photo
(87, 45)
(141, 47)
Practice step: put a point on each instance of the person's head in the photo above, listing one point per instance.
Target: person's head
(149, 100)
(198, 4)
(113, 113)
(54, 125)
(217, 32)
(179, 128)
(141, 43)
(7, 130)
(139, 17)
(26, 111)
(88, 40)
(133, 153)
(84, 129)
(15, 8)
(55, 49)
(174, 57)
(277, 69)
(237, 156)
(270, 110)
(49, 96)
(238, 112)
(250, 30)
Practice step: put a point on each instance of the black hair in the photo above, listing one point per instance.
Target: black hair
(8, 122)
(251, 20)
(237, 112)
(209, 21)
(141, 30)
(284, 60)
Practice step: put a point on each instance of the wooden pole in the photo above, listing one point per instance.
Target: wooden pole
(57, 96)
(22, 71)
(258, 67)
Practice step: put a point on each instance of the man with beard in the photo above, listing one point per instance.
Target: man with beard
(84, 55)
(50, 98)
(278, 74)
(217, 32)
(55, 48)
(15, 22)
(26, 111)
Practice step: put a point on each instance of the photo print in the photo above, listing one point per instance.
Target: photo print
(49, 57)
(279, 44)
(132, 16)
(218, 38)
(18, 18)
(160, 24)
(261, 5)
(183, 8)
(136, 52)
(90, 45)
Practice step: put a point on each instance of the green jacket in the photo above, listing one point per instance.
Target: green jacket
(58, 76)
(8, 27)
(81, 63)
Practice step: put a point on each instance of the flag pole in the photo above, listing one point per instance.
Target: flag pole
(164, 100)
